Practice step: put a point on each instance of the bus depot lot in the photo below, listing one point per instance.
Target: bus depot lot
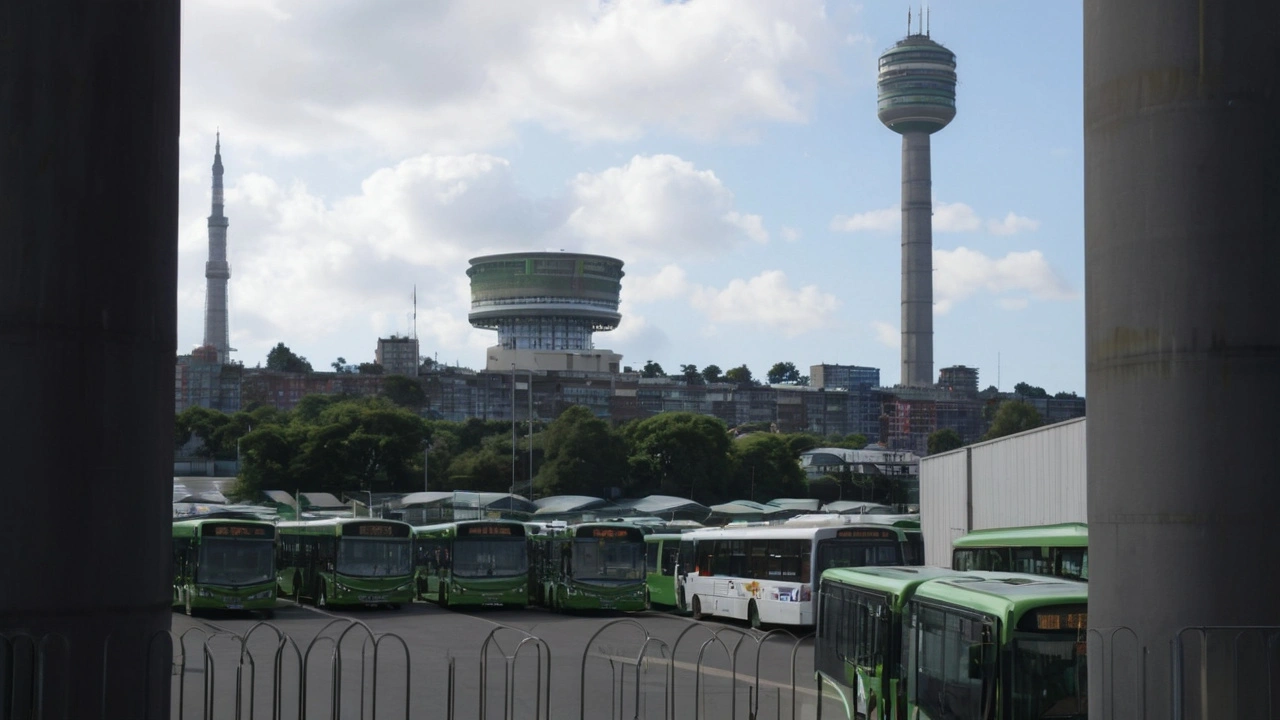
(598, 651)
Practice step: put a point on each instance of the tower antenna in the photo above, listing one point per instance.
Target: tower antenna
(908, 20)
(415, 311)
(928, 12)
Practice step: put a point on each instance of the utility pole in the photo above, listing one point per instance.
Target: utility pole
(530, 391)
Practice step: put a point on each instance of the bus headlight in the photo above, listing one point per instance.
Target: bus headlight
(204, 593)
(263, 595)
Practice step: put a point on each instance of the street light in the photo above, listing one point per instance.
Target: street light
(426, 462)
(513, 428)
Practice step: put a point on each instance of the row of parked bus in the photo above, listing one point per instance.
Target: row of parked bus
(764, 574)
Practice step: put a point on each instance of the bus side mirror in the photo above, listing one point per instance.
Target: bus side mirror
(978, 653)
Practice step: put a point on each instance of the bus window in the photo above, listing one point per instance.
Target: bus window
(670, 552)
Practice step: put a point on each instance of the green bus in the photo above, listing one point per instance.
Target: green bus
(1056, 550)
(592, 566)
(224, 564)
(937, 643)
(662, 555)
(346, 561)
(472, 562)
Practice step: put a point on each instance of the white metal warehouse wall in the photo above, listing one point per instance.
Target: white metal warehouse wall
(1033, 478)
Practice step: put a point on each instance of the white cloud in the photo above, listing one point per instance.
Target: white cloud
(886, 334)
(963, 272)
(1012, 224)
(954, 217)
(669, 282)
(789, 234)
(449, 77)
(884, 220)
(767, 300)
(656, 207)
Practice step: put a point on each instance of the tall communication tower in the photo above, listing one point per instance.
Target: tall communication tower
(916, 98)
(216, 270)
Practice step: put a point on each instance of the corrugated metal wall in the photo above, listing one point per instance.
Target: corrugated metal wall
(943, 511)
(1032, 478)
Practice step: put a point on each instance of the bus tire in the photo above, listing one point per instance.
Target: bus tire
(394, 606)
(697, 608)
(753, 615)
(268, 614)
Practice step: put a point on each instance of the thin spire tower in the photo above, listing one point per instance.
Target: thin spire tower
(216, 270)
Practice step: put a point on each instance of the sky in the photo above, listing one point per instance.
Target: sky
(728, 151)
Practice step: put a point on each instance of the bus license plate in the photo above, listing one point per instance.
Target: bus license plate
(373, 598)
(235, 606)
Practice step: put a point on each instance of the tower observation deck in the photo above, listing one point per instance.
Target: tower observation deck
(546, 307)
(917, 97)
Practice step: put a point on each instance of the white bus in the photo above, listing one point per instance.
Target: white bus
(770, 574)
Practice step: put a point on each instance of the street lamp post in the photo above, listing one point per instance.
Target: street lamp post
(513, 428)
(426, 466)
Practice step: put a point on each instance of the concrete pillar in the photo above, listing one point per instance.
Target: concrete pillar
(88, 248)
(1182, 250)
(917, 261)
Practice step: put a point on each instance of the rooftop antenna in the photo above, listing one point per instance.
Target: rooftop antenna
(908, 20)
(927, 13)
(415, 311)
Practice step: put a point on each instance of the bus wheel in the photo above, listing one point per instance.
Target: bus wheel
(268, 614)
(697, 608)
(394, 606)
(753, 615)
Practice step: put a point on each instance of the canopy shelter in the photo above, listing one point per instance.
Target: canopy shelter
(857, 507)
(746, 511)
(666, 507)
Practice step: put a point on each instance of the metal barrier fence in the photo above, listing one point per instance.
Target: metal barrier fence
(664, 667)
(346, 670)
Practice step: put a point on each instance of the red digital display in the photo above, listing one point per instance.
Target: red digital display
(489, 530)
(610, 533)
(239, 531)
(866, 533)
(376, 529)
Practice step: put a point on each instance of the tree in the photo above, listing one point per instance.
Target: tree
(711, 373)
(1064, 395)
(202, 423)
(339, 365)
(583, 456)
(764, 467)
(404, 391)
(678, 453)
(740, 375)
(803, 381)
(266, 459)
(1030, 391)
(372, 368)
(651, 369)
(1014, 416)
(691, 375)
(943, 440)
(281, 359)
(783, 372)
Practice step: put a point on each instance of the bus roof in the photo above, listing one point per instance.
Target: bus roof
(1003, 595)
(661, 537)
(191, 526)
(333, 523)
(1060, 535)
(783, 532)
(898, 582)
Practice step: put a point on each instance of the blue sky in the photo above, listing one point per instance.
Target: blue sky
(727, 151)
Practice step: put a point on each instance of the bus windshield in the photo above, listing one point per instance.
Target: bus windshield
(235, 562)
(857, 553)
(373, 558)
(1049, 677)
(605, 560)
(490, 558)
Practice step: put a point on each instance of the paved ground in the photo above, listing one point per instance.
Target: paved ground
(414, 676)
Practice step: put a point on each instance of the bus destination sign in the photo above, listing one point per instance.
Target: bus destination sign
(866, 534)
(487, 530)
(1062, 620)
(375, 529)
(608, 533)
(239, 531)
